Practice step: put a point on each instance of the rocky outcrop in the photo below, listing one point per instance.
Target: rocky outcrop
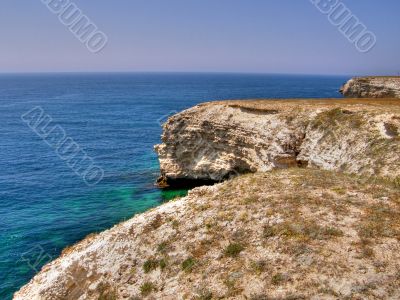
(294, 233)
(214, 141)
(372, 87)
(287, 234)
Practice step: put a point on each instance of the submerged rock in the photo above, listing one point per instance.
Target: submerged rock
(217, 140)
(372, 87)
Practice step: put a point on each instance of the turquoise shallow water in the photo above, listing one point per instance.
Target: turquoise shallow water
(115, 118)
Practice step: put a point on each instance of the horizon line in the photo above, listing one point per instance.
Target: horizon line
(176, 72)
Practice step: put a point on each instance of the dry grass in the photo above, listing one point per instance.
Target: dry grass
(289, 234)
(106, 292)
(302, 229)
(380, 221)
(147, 288)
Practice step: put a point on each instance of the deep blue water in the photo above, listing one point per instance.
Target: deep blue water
(115, 118)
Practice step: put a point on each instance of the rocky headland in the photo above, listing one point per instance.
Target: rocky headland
(372, 87)
(216, 140)
(308, 208)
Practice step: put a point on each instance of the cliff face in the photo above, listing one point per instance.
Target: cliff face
(216, 140)
(287, 234)
(372, 87)
(297, 233)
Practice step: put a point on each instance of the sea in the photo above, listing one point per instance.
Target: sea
(115, 119)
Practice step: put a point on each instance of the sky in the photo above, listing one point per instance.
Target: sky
(256, 36)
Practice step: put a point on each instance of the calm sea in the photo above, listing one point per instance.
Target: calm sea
(115, 119)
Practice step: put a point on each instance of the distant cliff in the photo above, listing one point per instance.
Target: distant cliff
(372, 87)
(214, 141)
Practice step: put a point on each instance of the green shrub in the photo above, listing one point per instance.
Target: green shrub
(162, 247)
(150, 265)
(234, 249)
(162, 263)
(188, 264)
(147, 288)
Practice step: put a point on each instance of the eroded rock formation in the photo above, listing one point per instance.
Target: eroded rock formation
(215, 140)
(372, 87)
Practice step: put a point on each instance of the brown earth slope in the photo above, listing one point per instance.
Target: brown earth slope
(288, 234)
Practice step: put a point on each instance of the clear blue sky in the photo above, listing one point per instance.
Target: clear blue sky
(268, 36)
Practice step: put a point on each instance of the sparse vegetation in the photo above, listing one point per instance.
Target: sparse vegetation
(259, 266)
(188, 264)
(380, 221)
(204, 294)
(157, 222)
(147, 288)
(106, 292)
(150, 265)
(330, 120)
(368, 252)
(391, 129)
(259, 297)
(301, 222)
(277, 279)
(397, 182)
(300, 228)
(232, 286)
(339, 190)
(175, 224)
(269, 231)
(233, 249)
(162, 247)
(162, 264)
